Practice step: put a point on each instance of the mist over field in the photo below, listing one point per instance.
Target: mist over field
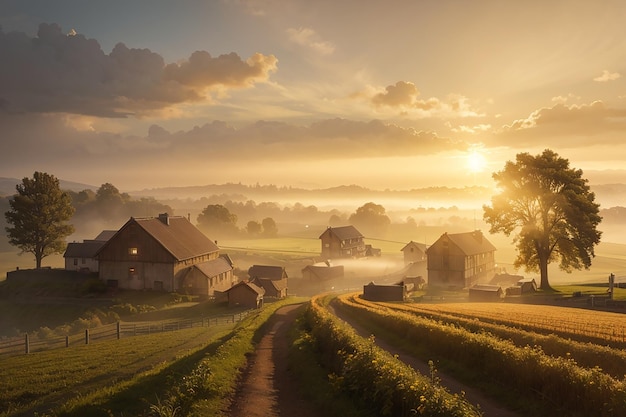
(420, 215)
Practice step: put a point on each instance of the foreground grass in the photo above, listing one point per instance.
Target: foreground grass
(193, 370)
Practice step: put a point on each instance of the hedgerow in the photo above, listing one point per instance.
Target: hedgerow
(372, 376)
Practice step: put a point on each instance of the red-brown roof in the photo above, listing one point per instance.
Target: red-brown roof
(178, 236)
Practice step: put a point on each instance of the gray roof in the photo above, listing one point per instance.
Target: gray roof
(214, 267)
(421, 246)
(86, 249)
(106, 235)
(267, 271)
(344, 232)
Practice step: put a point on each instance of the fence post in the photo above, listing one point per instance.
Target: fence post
(86, 336)
(118, 330)
(67, 341)
(26, 343)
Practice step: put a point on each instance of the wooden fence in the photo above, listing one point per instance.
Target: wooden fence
(29, 344)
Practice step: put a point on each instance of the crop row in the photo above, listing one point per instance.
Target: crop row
(568, 322)
(569, 388)
(372, 376)
(587, 354)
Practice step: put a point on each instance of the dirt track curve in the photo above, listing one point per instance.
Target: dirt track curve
(270, 390)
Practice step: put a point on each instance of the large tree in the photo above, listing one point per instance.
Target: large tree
(371, 219)
(552, 209)
(217, 221)
(38, 217)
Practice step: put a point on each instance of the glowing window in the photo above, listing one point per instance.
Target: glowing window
(133, 251)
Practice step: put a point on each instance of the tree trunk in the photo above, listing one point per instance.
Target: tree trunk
(543, 270)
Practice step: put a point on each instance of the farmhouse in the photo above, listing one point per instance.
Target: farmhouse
(414, 252)
(273, 279)
(460, 260)
(164, 253)
(342, 242)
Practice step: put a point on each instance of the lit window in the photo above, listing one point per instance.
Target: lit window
(131, 270)
(133, 251)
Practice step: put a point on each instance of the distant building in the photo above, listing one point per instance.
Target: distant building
(486, 292)
(322, 272)
(245, 294)
(81, 256)
(377, 292)
(460, 260)
(414, 252)
(273, 279)
(342, 242)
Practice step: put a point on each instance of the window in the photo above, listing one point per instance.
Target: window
(83, 261)
(75, 261)
(133, 251)
(131, 270)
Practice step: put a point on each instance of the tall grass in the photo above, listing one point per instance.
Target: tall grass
(374, 378)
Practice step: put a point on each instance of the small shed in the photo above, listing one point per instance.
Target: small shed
(322, 272)
(485, 292)
(375, 292)
(245, 294)
(527, 285)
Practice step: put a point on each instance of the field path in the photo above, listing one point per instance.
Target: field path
(488, 406)
(269, 389)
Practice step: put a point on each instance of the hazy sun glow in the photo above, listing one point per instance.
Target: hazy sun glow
(476, 161)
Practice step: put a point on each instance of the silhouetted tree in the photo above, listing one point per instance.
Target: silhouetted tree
(216, 221)
(269, 227)
(254, 228)
(38, 217)
(552, 207)
(370, 219)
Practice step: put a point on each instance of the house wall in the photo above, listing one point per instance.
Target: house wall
(134, 275)
(196, 283)
(81, 264)
(243, 296)
(413, 254)
(333, 247)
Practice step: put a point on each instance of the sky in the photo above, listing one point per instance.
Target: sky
(395, 94)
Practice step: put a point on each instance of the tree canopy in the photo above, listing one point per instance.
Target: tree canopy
(38, 217)
(217, 221)
(551, 207)
(371, 219)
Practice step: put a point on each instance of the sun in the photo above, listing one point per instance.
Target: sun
(476, 161)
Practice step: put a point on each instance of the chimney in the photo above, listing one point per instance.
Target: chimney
(165, 218)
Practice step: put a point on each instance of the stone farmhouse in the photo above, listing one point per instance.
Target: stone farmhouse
(460, 260)
(165, 253)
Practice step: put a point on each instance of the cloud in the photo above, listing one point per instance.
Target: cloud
(54, 72)
(68, 147)
(570, 125)
(607, 76)
(309, 38)
(403, 96)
